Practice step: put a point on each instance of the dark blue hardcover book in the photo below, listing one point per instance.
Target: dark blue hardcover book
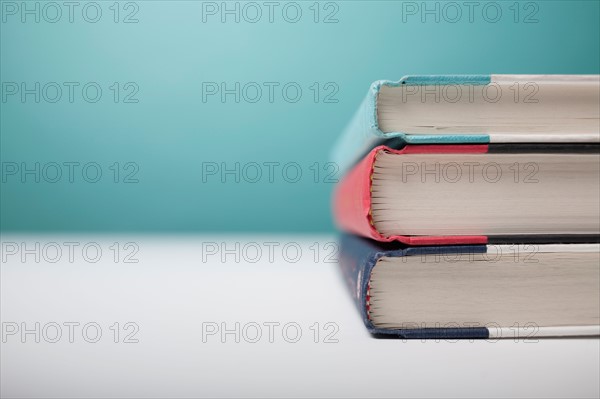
(501, 291)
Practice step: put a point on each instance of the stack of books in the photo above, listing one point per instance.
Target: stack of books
(472, 206)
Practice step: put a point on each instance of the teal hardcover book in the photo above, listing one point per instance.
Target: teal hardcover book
(473, 109)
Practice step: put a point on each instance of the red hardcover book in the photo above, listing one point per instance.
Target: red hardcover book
(453, 210)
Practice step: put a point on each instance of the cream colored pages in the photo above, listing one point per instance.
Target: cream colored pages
(486, 194)
(547, 289)
(513, 108)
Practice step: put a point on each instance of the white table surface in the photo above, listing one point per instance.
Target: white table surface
(171, 292)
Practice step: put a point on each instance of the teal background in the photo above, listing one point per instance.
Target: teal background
(171, 132)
